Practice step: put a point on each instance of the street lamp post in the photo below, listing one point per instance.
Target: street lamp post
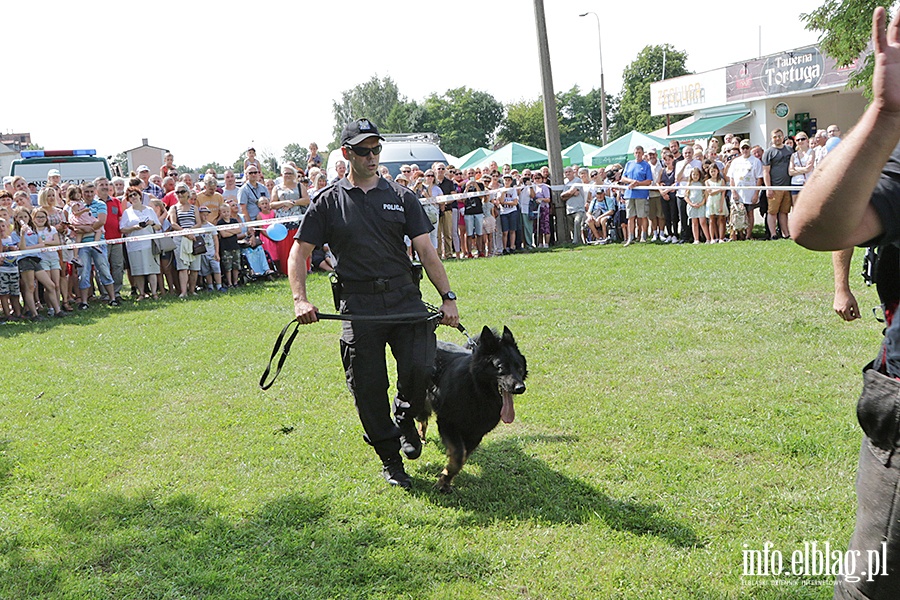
(602, 87)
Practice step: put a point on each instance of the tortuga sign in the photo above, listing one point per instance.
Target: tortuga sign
(785, 73)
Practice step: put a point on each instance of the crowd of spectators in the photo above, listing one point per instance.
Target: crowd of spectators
(504, 211)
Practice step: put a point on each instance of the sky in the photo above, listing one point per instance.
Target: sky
(207, 79)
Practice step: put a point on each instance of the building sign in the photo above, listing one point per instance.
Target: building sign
(799, 70)
(689, 93)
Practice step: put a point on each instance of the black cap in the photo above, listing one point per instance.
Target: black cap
(356, 131)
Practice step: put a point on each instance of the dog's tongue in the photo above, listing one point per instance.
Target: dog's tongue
(508, 412)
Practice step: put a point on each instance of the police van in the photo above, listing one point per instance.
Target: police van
(74, 166)
(399, 149)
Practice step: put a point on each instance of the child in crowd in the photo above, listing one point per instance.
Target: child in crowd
(229, 251)
(9, 272)
(696, 201)
(77, 212)
(30, 267)
(49, 237)
(167, 250)
(266, 213)
(210, 269)
(715, 203)
(737, 220)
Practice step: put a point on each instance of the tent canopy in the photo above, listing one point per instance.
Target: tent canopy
(471, 159)
(575, 153)
(518, 156)
(621, 150)
(706, 127)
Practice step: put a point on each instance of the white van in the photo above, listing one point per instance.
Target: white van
(75, 166)
(400, 149)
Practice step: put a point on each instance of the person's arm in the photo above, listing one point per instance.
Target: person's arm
(304, 310)
(833, 211)
(845, 304)
(434, 268)
(767, 175)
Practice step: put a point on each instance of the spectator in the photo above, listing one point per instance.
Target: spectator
(776, 161)
(574, 198)
(53, 177)
(667, 196)
(229, 250)
(446, 224)
(114, 209)
(803, 161)
(656, 215)
(167, 246)
(597, 208)
(118, 184)
(527, 210)
(210, 267)
(315, 159)
(542, 197)
(746, 171)
(149, 187)
(250, 193)
(30, 270)
(696, 201)
(144, 265)
(185, 216)
(509, 214)
(49, 236)
(168, 165)
(289, 199)
(473, 214)
(637, 173)
(341, 168)
(210, 198)
(716, 211)
(230, 190)
(9, 273)
(251, 160)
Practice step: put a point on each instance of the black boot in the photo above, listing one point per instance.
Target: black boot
(394, 473)
(410, 442)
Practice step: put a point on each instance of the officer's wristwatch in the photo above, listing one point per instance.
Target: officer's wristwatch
(449, 296)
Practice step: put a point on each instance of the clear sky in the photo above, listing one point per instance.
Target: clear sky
(206, 79)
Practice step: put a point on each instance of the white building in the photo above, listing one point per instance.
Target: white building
(801, 89)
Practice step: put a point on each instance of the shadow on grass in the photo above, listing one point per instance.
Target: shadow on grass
(514, 485)
(117, 547)
(6, 463)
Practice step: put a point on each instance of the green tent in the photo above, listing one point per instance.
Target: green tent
(473, 158)
(519, 156)
(575, 153)
(622, 150)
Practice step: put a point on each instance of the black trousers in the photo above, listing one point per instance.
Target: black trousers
(363, 353)
(875, 572)
(687, 236)
(670, 212)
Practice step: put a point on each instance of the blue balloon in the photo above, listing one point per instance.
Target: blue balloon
(831, 143)
(276, 232)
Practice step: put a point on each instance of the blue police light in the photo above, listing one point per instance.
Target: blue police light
(52, 153)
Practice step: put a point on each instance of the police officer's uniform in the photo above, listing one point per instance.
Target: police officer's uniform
(878, 412)
(365, 233)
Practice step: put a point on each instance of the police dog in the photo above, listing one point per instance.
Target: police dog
(472, 391)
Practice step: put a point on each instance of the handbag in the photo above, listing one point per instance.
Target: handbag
(199, 246)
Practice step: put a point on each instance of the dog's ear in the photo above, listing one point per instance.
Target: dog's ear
(508, 336)
(487, 340)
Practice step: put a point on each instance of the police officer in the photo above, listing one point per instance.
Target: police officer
(853, 198)
(363, 218)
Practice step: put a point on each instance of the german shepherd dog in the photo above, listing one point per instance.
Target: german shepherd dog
(471, 392)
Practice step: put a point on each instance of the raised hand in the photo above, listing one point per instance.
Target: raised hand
(886, 78)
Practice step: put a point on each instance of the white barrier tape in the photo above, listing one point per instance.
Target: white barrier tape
(150, 236)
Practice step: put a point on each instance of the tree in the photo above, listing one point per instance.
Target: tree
(372, 100)
(407, 116)
(523, 123)
(464, 118)
(846, 27)
(212, 165)
(296, 153)
(634, 101)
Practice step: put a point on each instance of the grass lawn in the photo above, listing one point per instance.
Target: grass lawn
(684, 403)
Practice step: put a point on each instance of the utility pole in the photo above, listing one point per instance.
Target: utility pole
(551, 123)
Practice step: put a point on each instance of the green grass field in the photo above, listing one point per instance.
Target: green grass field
(684, 403)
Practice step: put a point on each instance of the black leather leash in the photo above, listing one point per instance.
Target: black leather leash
(398, 319)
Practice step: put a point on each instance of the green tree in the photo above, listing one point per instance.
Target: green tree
(846, 27)
(238, 166)
(464, 118)
(634, 101)
(372, 100)
(580, 116)
(523, 123)
(296, 153)
(212, 165)
(407, 116)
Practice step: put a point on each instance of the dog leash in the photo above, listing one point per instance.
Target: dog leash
(398, 319)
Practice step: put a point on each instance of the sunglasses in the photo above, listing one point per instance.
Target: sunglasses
(361, 151)
(801, 139)
(179, 192)
(134, 195)
(252, 172)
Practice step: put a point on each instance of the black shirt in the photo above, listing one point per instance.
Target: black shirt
(473, 205)
(365, 230)
(886, 199)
